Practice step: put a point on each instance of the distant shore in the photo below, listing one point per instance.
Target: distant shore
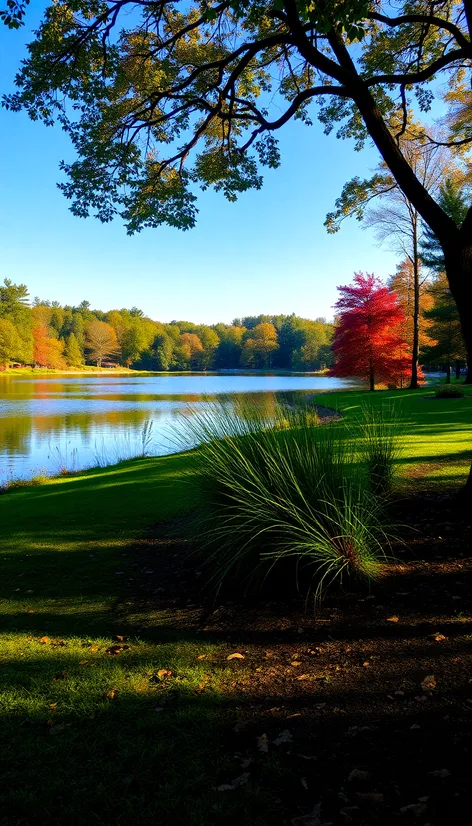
(127, 371)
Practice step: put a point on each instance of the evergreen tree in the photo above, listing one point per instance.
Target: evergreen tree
(73, 353)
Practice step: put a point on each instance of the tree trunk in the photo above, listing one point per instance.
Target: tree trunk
(416, 317)
(459, 275)
(468, 375)
(458, 369)
(448, 373)
(371, 378)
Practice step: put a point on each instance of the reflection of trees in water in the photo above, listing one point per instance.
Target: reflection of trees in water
(85, 427)
(15, 435)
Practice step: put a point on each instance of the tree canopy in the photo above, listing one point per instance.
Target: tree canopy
(159, 97)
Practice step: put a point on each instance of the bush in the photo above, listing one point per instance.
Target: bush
(279, 492)
(380, 446)
(449, 392)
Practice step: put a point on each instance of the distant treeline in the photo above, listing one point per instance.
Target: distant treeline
(45, 334)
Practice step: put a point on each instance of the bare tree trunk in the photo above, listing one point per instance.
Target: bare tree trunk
(468, 377)
(416, 315)
(458, 369)
(448, 373)
(371, 378)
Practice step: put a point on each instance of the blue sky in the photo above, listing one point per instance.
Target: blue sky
(268, 253)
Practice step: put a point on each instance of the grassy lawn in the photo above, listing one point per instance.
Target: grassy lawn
(101, 721)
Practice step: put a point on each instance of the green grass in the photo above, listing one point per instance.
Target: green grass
(111, 741)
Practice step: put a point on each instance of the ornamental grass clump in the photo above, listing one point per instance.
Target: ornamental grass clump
(380, 431)
(282, 496)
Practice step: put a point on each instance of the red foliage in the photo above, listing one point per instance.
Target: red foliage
(368, 340)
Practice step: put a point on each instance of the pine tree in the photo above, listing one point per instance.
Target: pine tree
(72, 352)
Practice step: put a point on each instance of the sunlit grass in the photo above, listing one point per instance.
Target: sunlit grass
(132, 747)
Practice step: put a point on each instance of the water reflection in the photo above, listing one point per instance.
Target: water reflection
(47, 422)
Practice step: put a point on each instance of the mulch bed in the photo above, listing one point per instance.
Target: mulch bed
(358, 713)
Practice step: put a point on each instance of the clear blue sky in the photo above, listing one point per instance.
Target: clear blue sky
(268, 253)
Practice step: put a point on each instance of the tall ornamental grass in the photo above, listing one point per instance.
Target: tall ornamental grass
(281, 494)
(379, 430)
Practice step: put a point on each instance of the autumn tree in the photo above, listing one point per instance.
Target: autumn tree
(188, 351)
(368, 342)
(380, 203)
(447, 345)
(48, 351)
(101, 341)
(414, 295)
(260, 346)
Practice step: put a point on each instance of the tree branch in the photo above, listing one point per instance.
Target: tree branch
(427, 19)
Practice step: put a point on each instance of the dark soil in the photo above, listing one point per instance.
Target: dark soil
(358, 713)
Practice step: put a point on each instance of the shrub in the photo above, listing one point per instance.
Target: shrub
(380, 432)
(449, 392)
(280, 492)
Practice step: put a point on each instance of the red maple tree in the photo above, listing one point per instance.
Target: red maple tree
(368, 339)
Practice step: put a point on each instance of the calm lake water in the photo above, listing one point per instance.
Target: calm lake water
(51, 422)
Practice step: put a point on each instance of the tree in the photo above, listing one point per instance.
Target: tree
(445, 314)
(132, 342)
(260, 346)
(48, 351)
(445, 329)
(394, 217)
(14, 307)
(101, 341)
(188, 351)
(367, 338)
(10, 343)
(208, 75)
(415, 298)
(72, 352)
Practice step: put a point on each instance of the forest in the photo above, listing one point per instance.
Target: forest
(45, 334)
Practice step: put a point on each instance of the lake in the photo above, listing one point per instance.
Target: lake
(48, 423)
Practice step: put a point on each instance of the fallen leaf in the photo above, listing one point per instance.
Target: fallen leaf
(235, 656)
(117, 648)
(44, 640)
(53, 705)
(94, 649)
(201, 656)
(58, 642)
(429, 683)
(119, 638)
(295, 663)
(263, 744)
(164, 673)
(303, 677)
(83, 662)
(440, 637)
(110, 695)
(392, 619)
